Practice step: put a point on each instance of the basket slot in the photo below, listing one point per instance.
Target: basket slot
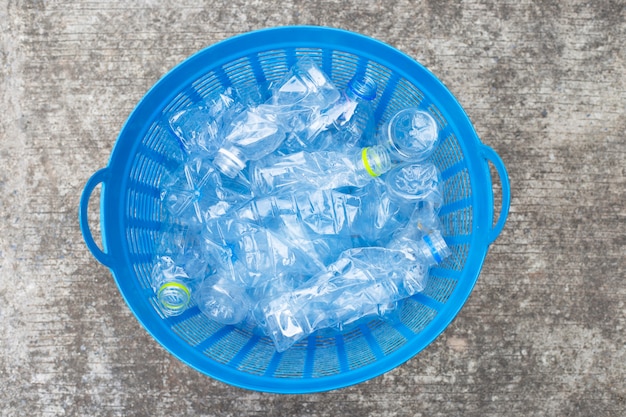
(389, 338)
(342, 355)
(134, 248)
(434, 111)
(141, 247)
(290, 365)
(452, 170)
(327, 62)
(385, 96)
(160, 139)
(222, 76)
(416, 316)
(192, 312)
(257, 69)
(139, 206)
(273, 64)
(439, 288)
(344, 65)
(455, 206)
(192, 326)
(458, 239)
(372, 342)
(361, 68)
(316, 54)
(260, 359)
(208, 85)
(456, 223)
(456, 260)
(448, 153)
(398, 94)
(182, 100)
(456, 188)
(399, 327)
(326, 360)
(148, 190)
(143, 271)
(236, 360)
(358, 349)
(309, 360)
(225, 349)
(215, 337)
(149, 166)
(240, 73)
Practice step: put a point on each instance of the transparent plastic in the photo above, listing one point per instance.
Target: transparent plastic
(360, 281)
(254, 133)
(318, 170)
(196, 191)
(199, 127)
(349, 122)
(410, 135)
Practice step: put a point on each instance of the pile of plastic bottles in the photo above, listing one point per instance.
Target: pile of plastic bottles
(289, 214)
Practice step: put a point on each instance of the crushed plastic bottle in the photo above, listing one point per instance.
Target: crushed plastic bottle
(346, 123)
(302, 99)
(198, 127)
(318, 170)
(360, 281)
(196, 192)
(223, 300)
(179, 263)
(415, 182)
(254, 133)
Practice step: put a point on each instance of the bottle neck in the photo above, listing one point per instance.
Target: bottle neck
(374, 161)
(361, 89)
(230, 161)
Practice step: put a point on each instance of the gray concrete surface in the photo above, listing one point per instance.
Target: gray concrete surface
(544, 83)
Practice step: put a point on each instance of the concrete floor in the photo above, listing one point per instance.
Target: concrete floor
(544, 83)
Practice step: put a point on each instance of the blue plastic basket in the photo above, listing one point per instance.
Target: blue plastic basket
(130, 212)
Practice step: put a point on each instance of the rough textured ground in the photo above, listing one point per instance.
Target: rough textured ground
(544, 83)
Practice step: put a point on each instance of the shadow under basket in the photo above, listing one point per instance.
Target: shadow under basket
(131, 212)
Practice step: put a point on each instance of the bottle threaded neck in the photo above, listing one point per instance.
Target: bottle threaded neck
(173, 297)
(376, 160)
(229, 161)
(364, 88)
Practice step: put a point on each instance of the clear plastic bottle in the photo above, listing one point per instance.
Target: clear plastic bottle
(259, 254)
(254, 133)
(360, 281)
(315, 223)
(318, 170)
(252, 264)
(406, 188)
(171, 285)
(305, 85)
(348, 122)
(178, 265)
(222, 299)
(414, 182)
(196, 192)
(198, 127)
(410, 135)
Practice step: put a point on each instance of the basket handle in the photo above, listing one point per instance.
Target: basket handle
(98, 177)
(491, 156)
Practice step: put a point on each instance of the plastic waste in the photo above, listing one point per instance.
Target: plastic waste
(199, 127)
(254, 133)
(360, 281)
(318, 170)
(410, 135)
